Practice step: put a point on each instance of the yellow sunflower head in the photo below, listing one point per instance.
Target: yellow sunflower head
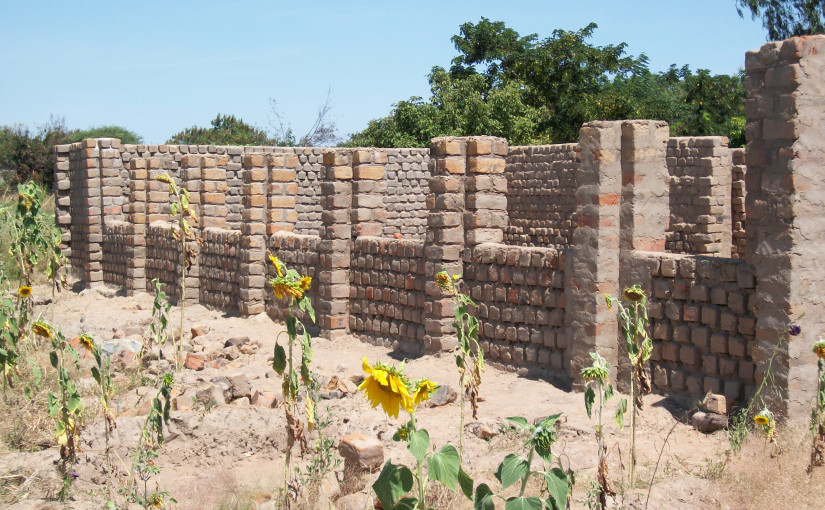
(609, 301)
(764, 417)
(24, 291)
(87, 342)
(423, 390)
(278, 265)
(445, 283)
(386, 386)
(283, 289)
(164, 178)
(42, 329)
(305, 282)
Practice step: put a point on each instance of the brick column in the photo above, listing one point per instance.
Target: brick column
(253, 234)
(111, 185)
(62, 196)
(444, 244)
(368, 189)
(282, 193)
(594, 265)
(486, 192)
(645, 208)
(192, 169)
(91, 195)
(335, 246)
(785, 207)
(136, 251)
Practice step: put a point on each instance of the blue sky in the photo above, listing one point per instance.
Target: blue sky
(157, 67)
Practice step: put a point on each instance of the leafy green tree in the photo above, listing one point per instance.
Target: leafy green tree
(225, 130)
(119, 132)
(786, 18)
(28, 154)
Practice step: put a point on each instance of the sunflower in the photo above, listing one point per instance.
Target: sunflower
(385, 385)
(634, 293)
(24, 291)
(283, 289)
(277, 263)
(164, 178)
(598, 371)
(423, 390)
(442, 279)
(819, 348)
(87, 342)
(305, 282)
(41, 329)
(609, 301)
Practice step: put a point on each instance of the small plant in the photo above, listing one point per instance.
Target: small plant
(818, 411)
(639, 345)
(597, 375)
(181, 211)
(288, 283)
(101, 372)
(469, 357)
(158, 331)
(64, 406)
(322, 459)
(33, 233)
(150, 440)
(513, 469)
(387, 386)
(9, 340)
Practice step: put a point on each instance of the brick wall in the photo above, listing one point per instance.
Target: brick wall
(521, 306)
(700, 195)
(299, 252)
(408, 177)
(541, 195)
(116, 254)
(737, 203)
(219, 268)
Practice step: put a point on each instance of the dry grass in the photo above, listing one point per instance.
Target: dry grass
(769, 474)
(25, 424)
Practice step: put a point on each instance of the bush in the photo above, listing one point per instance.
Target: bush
(28, 155)
(122, 133)
(225, 130)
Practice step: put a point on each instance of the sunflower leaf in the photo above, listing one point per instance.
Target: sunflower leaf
(511, 470)
(558, 487)
(523, 503)
(521, 422)
(279, 359)
(466, 483)
(418, 444)
(589, 398)
(621, 409)
(483, 499)
(393, 482)
(443, 466)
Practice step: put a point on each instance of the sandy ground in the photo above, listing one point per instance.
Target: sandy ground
(215, 456)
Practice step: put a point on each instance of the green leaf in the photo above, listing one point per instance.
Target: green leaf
(466, 484)
(511, 470)
(279, 359)
(558, 487)
(418, 444)
(173, 209)
(523, 503)
(406, 504)
(521, 422)
(392, 483)
(621, 409)
(608, 392)
(589, 398)
(306, 346)
(443, 466)
(292, 326)
(74, 405)
(53, 358)
(483, 499)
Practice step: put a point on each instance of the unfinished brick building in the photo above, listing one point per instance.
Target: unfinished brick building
(726, 242)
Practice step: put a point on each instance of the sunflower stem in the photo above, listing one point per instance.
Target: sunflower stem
(419, 472)
(527, 474)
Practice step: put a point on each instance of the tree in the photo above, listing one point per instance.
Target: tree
(322, 133)
(29, 154)
(786, 18)
(225, 130)
(119, 132)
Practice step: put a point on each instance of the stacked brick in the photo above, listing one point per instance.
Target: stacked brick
(219, 266)
(63, 154)
(700, 195)
(116, 240)
(162, 259)
(541, 195)
(407, 178)
(369, 188)
(737, 204)
(702, 324)
(387, 298)
(521, 307)
(86, 211)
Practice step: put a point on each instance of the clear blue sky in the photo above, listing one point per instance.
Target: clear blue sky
(158, 67)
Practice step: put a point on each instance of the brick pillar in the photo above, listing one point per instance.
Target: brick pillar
(92, 194)
(253, 234)
(111, 185)
(444, 244)
(368, 189)
(785, 207)
(62, 196)
(136, 251)
(486, 192)
(335, 246)
(192, 169)
(645, 206)
(282, 193)
(594, 266)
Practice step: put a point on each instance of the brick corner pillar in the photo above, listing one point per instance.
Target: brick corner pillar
(368, 190)
(111, 185)
(92, 273)
(252, 269)
(486, 192)
(335, 246)
(191, 171)
(136, 250)
(594, 264)
(444, 243)
(645, 197)
(785, 207)
(282, 192)
(62, 196)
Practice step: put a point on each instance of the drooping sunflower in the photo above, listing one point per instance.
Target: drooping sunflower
(598, 371)
(386, 386)
(634, 293)
(282, 289)
(423, 390)
(24, 291)
(42, 329)
(305, 282)
(277, 263)
(445, 283)
(819, 348)
(87, 342)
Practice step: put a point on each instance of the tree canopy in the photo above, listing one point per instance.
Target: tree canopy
(119, 132)
(786, 18)
(533, 90)
(225, 130)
